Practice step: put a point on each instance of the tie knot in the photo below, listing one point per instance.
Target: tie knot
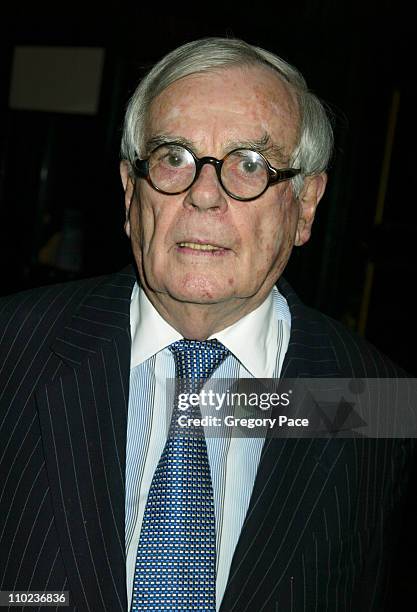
(197, 358)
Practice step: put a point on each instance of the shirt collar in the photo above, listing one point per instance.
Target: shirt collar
(253, 339)
(150, 332)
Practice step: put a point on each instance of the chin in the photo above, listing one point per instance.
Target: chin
(199, 290)
(199, 297)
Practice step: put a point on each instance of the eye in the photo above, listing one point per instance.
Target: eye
(246, 164)
(176, 159)
(249, 166)
(171, 168)
(172, 157)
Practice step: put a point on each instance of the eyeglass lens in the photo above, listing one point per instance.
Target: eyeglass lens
(172, 169)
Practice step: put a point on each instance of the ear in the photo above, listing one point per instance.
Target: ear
(311, 195)
(129, 189)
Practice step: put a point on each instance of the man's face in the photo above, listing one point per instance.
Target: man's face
(216, 113)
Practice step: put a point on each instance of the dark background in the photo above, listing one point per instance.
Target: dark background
(59, 172)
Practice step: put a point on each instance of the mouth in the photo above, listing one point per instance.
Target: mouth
(205, 248)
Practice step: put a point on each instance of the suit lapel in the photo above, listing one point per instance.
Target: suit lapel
(83, 416)
(290, 476)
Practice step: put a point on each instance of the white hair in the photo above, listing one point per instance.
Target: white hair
(314, 147)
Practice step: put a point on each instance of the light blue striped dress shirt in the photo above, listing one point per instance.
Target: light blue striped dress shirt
(258, 343)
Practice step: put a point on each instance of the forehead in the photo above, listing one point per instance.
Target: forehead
(228, 105)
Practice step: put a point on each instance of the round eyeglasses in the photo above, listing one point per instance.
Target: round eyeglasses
(244, 174)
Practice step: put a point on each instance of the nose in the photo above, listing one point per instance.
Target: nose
(207, 193)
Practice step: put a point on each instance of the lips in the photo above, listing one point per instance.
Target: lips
(192, 244)
(200, 246)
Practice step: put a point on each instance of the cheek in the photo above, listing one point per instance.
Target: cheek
(135, 226)
(147, 223)
(273, 235)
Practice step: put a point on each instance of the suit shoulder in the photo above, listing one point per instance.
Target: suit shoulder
(40, 310)
(354, 354)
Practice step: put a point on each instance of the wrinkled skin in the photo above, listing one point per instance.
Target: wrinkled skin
(201, 292)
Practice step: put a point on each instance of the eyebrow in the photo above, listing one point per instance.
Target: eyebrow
(160, 139)
(262, 145)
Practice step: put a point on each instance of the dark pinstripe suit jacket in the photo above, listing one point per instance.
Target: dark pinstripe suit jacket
(318, 528)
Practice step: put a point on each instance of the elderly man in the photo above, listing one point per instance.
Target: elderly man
(223, 165)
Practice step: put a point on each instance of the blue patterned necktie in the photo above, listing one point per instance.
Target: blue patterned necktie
(176, 559)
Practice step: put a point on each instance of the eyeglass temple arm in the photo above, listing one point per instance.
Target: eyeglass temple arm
(283, 175)
(141, 167)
